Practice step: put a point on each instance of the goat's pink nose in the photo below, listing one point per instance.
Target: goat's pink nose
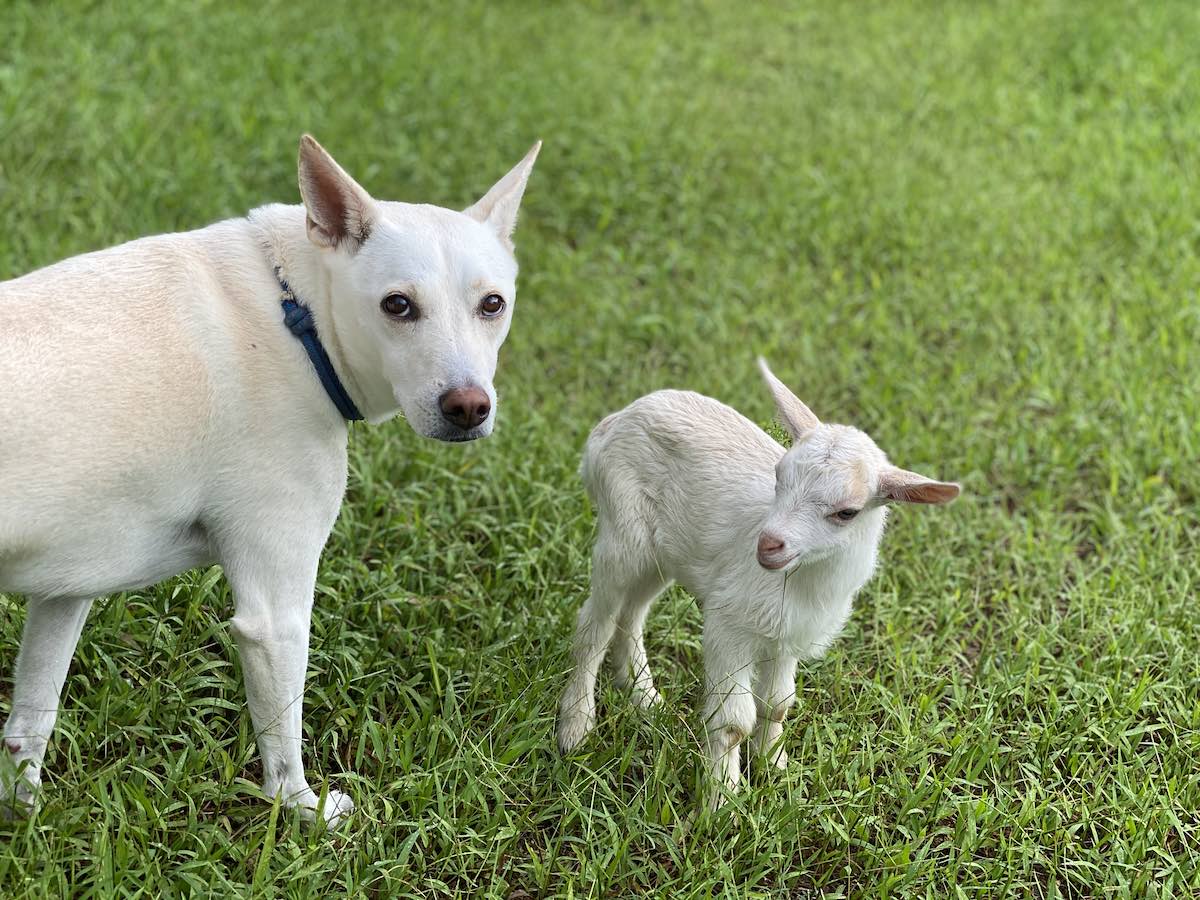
(768, 544)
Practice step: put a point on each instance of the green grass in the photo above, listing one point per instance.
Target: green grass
(970, 229)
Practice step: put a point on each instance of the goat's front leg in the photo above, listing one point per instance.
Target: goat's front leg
(729, 710)
(273, 596)
(775, 693)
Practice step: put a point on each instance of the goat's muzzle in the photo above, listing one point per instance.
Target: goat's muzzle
(770, 551)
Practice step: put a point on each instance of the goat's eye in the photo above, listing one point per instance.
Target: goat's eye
(845, 515)
(492, 305)
(399, 307)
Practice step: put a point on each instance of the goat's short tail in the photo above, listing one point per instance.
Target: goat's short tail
(592, 449)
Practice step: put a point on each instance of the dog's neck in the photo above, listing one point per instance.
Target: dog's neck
(287, 247)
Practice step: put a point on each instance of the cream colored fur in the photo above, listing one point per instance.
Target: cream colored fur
(687, 489)
(157, 416)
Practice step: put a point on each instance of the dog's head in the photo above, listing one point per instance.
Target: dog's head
(422, 297)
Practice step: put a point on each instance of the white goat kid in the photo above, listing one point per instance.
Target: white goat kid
(685, 489)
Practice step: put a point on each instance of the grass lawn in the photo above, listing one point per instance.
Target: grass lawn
(969, 229)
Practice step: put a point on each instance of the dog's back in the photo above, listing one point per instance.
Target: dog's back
(93, 365)
(109, 393)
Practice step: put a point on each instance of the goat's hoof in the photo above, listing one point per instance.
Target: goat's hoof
(647, 698)
(717, 798)
(337, 808)
(573, 729)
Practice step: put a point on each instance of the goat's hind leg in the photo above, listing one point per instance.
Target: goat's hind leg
(616, 576)
(630, 667)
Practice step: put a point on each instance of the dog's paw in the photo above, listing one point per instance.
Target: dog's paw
(573, 728)
(17, 800)
(19, 785)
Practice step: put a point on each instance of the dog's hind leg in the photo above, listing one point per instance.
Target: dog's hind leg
(52, 629)
(273, 599)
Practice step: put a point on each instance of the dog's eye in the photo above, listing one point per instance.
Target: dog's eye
(845, 515)
(399, 307)
(492, 305)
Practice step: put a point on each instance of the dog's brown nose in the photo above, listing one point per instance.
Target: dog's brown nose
(465, 407)
(768, 546)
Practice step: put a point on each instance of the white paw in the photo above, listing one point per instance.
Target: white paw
(573, 728)
(17, 800)
(645, 698)
(20, 781)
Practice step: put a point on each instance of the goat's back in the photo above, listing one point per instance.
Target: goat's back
(685, 471)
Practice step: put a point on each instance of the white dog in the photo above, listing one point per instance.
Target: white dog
(182, 400)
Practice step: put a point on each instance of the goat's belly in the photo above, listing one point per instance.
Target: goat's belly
(102, 558)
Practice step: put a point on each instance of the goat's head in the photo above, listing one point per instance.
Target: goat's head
(831, 487)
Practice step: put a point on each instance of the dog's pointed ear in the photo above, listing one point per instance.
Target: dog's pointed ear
(340, 212)
(797, 418)
(498, 207)
(902, 486)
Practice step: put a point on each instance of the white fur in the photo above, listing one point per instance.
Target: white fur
(684, 489)
(159, 416)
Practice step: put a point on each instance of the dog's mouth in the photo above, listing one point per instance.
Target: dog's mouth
(451, 435)
(447, 432)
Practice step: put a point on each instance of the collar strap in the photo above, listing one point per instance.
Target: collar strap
(299, 320)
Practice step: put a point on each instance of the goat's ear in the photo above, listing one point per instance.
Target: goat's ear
(340, 212)
(902, 486)
(498, 207)
(797, 418)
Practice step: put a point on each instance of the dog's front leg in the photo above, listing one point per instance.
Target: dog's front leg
(273, 604)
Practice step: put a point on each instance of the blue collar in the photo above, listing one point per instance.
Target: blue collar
(299, 320)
